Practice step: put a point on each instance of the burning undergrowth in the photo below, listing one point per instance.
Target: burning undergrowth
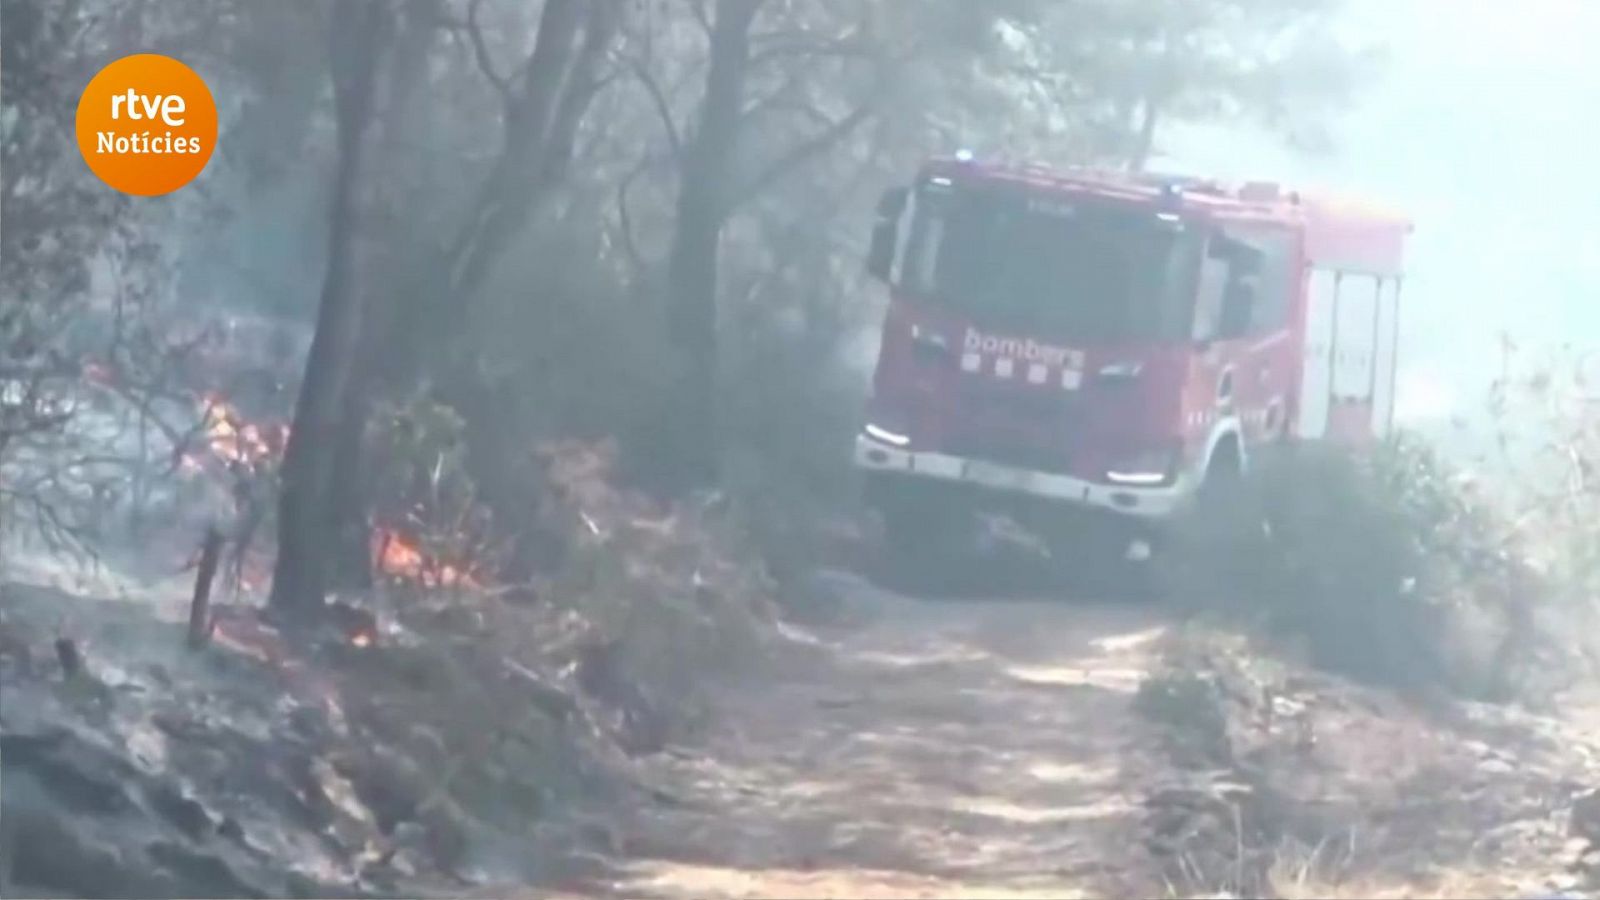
(139, 466)
(158, 470)
(430, 737)
(429, 526)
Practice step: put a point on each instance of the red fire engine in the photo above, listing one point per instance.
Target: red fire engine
(1110, 344)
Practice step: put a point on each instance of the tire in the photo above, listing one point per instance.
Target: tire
(1123, 579)
(1089, 557)
(1220, 491)
(925, 539)
(1221, 536)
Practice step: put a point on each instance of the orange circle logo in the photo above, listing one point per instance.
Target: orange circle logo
(147, 124)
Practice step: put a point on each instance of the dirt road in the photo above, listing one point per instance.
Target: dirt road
(934, 748)
(994, 748)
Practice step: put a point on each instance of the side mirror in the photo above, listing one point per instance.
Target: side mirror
(886, 233)
(1238, 305)
(880, 256)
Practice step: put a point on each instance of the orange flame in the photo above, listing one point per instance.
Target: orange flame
(398, 556)
(231, 439)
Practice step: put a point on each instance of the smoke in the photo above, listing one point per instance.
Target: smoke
(1475, 129)
(1424, 398)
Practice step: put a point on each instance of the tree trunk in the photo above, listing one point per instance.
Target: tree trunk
(1145, 141)
(357, 38)
(419, 334)
(690, 435)
(561, 78)
(542, 109)
(508, 192)
(350, 497)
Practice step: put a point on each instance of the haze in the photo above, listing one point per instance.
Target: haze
(1483, 127)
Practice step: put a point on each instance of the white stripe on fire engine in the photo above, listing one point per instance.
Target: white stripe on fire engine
(971, 362)
(1003, 367)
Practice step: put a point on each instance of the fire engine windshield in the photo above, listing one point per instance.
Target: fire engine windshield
(1073, 272)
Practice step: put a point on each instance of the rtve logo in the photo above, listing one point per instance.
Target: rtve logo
(147, 124)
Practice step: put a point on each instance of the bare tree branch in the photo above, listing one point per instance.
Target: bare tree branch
(783, 99)
(800, 154)
(697, 8)
(502, 84)
(625, 218)
(585, 81)
(802, 43)
(663, 108)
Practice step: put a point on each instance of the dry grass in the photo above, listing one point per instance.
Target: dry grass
(1299, 873)
(1303, 784)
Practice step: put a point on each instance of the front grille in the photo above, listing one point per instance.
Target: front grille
(1011, 453)
(1013, 425)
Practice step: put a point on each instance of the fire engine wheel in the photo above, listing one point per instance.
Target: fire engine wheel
(1221, 535)
(1103, 557)
(1125, 565)
(923, 539)
(1220, 490)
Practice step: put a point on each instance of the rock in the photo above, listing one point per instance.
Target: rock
(814, 598)
(303, 887)
(187, 814)
(15, 650)
(408, 862)
(201, 874)
(580, 869)
(50, 855)
(310, 722)
(230, 829)
(179, 725)
(440, 833)
(86, 777)
(1496, 767)
(389, 785)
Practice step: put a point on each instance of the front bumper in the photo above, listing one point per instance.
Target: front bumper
(1139, 502)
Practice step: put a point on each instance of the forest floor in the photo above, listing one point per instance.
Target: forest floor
(1009, 747)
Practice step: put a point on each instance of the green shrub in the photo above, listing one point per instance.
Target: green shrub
(1386, 566)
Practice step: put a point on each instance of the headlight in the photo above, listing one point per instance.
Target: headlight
(1146, 469)
(1123, 370)
(892, 438)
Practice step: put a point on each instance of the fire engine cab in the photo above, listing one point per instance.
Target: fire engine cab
(1107, 344)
